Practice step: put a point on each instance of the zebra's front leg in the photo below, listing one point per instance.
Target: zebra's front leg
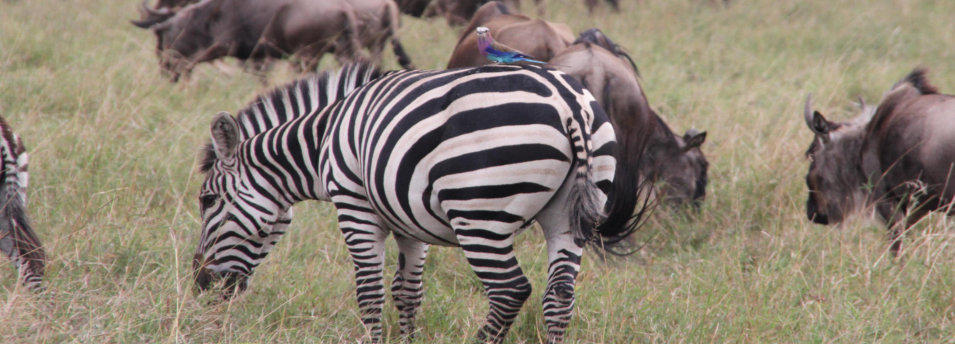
(365, 239)
(491, 255)
(406, 288)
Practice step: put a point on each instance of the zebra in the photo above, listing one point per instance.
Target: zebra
(17, 239)
(466, 158)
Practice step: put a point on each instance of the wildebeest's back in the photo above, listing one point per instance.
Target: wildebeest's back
(537, 38)
(911, 138)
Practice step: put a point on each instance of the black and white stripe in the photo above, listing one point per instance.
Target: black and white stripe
(17, 239)
(460, 158)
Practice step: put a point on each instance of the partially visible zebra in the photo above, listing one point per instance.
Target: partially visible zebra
(460, 158)
(17, 239)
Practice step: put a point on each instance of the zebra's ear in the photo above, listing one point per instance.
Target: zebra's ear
(225, 135)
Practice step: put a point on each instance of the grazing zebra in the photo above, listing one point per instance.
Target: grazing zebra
(463, 158)
(17, 239)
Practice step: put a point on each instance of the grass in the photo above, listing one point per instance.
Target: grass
(113, 188)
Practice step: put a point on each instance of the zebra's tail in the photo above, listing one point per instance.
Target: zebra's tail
(17, 239)
(586, 208)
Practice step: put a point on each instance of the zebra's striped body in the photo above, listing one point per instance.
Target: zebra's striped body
(459, 158)
(17, 239)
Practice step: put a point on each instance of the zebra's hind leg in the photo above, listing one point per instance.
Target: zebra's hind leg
(563, 253)
(488, 247)
(406, 288)
(365, 239)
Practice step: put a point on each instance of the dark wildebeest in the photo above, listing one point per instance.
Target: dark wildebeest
(591, 5)
(414, 8)
(900, 160)
(459, 12)
(611, 76)
(17, 239)
(536, 38)
(258, 30)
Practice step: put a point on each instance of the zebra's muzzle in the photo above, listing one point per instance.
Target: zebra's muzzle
(235, 282)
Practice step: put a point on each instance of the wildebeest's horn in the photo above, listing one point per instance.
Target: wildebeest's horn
(154, 12)
(153, 16)
(148, 22)
(807, 110)
(861, 103)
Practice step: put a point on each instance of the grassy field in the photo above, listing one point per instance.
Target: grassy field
(114, 184)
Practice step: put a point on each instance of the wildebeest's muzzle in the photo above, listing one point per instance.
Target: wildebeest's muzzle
(812, 212)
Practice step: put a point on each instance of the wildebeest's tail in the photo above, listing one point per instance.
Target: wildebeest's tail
(391, 21)
(590, 221)
(628, 196)
(17, 239)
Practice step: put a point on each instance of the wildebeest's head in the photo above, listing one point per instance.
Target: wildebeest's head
(240, 224)
(679, 166)
(185, 38)
(835, 179)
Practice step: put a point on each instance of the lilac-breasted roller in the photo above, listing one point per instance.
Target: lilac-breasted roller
(499, 52)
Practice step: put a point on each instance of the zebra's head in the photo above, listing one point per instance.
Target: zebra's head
(240, 224)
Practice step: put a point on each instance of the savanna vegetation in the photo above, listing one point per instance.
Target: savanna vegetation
(114, 185)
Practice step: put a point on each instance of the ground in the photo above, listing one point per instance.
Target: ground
(114, 185)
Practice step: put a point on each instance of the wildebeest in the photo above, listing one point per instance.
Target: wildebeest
(898, 158)
(459, 12)
(257, 30)
(413, 8)
(611, 76)
(536, 38)
(17, 239)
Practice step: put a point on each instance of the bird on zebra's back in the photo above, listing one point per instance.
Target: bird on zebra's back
(17, 239)
(498, 52)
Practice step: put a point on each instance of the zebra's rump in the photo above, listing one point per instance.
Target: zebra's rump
(489, 145)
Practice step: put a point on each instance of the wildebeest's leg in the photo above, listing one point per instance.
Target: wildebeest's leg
(406, 288)
(390, 21)
(365, 239)
(890, 209)
(541, 7)
(348, 44)
(488, 247)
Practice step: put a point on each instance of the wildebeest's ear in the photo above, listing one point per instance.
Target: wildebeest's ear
(820, 125)
(225, 135)
(692, 139)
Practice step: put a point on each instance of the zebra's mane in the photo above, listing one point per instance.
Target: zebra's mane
(302, 97)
